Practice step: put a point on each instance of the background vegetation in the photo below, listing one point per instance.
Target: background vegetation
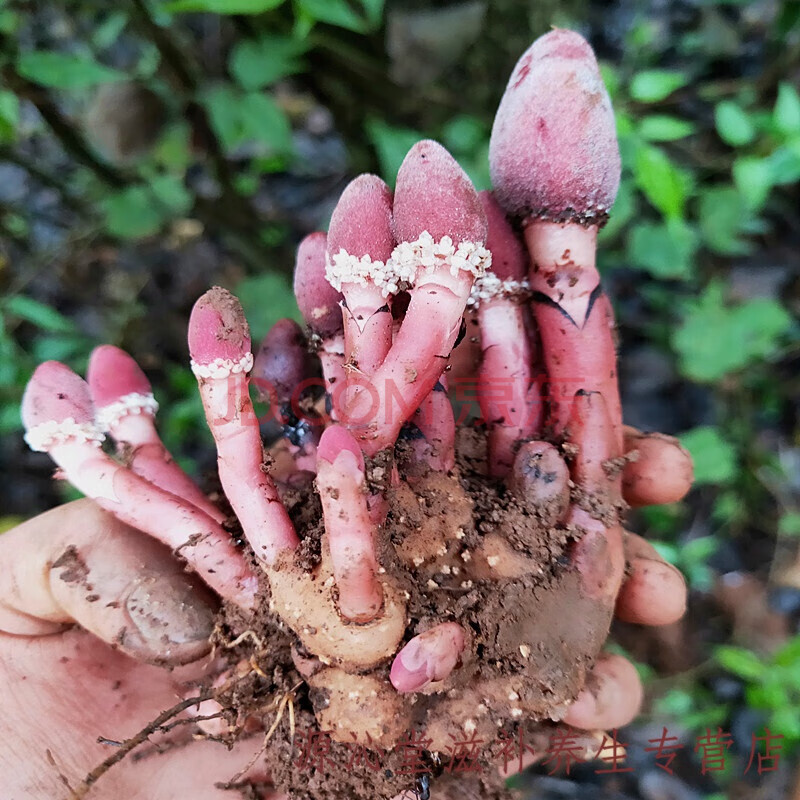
(151, 149)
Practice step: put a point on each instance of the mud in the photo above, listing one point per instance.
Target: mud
(532, 636)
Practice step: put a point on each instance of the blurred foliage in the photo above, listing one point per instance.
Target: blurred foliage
(708, 118)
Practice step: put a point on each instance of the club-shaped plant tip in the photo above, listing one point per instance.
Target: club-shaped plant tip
(317, 300)
(428, 657)
(351, 532)
(125, 408)
(553, 152)
(58, 415)
(360, 245)
(441, 229)
(280, 363)
(319, 304)
(219, 343)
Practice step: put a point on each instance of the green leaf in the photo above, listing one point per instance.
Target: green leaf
(9, 116)
(665, 251)
(223, 6)
(341, 13)
(464, 134)
(172, 194)
(266, 299)
(787, 110)
(663, 128)
(741, 662)
(255, 64)
(714, 457)
(391, 145)
(664, 185)
(653, 85)
(108, 31)
(753, 178)
(38, 314)
(131, 213)
(734, 126)
(723, 216)
(714, 339)
(789, 524)
(254, 117)
(63, 71)
(784, 163)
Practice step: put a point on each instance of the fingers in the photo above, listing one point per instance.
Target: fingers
(662, 473)
(654, 592)
(611, 698)
(79, 564)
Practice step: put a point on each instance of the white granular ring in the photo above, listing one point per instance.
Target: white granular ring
(426, 254)
(489, 286)
(343, 268)
(221, 368)
(133, 403)
(44, 437)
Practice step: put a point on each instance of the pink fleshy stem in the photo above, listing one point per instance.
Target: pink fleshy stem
(73, 443)
(331, 356)
(436, 422)
(125, 407)
(367, 328)
(350, 530)
(575, 320)
(415, 362)
(508, 396)
(598, 554)
(427, 658)
(240, 459)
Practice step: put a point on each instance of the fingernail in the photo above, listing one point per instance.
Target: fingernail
(170, 610)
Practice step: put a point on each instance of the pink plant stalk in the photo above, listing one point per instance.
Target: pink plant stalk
(435, 421)
(441, 229)
(555, 165)
(319, 304)
(360, 245)
(351, 532)
(219, 343)
(126, 408)
(508, 396)
(58, 415)
(428, 658)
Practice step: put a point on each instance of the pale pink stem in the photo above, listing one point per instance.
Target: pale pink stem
(435, 420)
(59, 419)
(151, 459)
(219, 341)
(427, 658)
(351, 532)
(416, 361)
(367, 328)
(508, 396)
(331, 356)
(126, 408)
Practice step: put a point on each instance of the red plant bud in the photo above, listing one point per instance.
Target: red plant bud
(434, 194)
(334, 440)
(317, 300)
(280, 364)
(509, 259)
(113, 374)
(553, 152)
(218, 328)
(55, 393)
(361, 223)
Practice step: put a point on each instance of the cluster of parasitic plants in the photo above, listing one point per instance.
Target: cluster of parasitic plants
(387, 296)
